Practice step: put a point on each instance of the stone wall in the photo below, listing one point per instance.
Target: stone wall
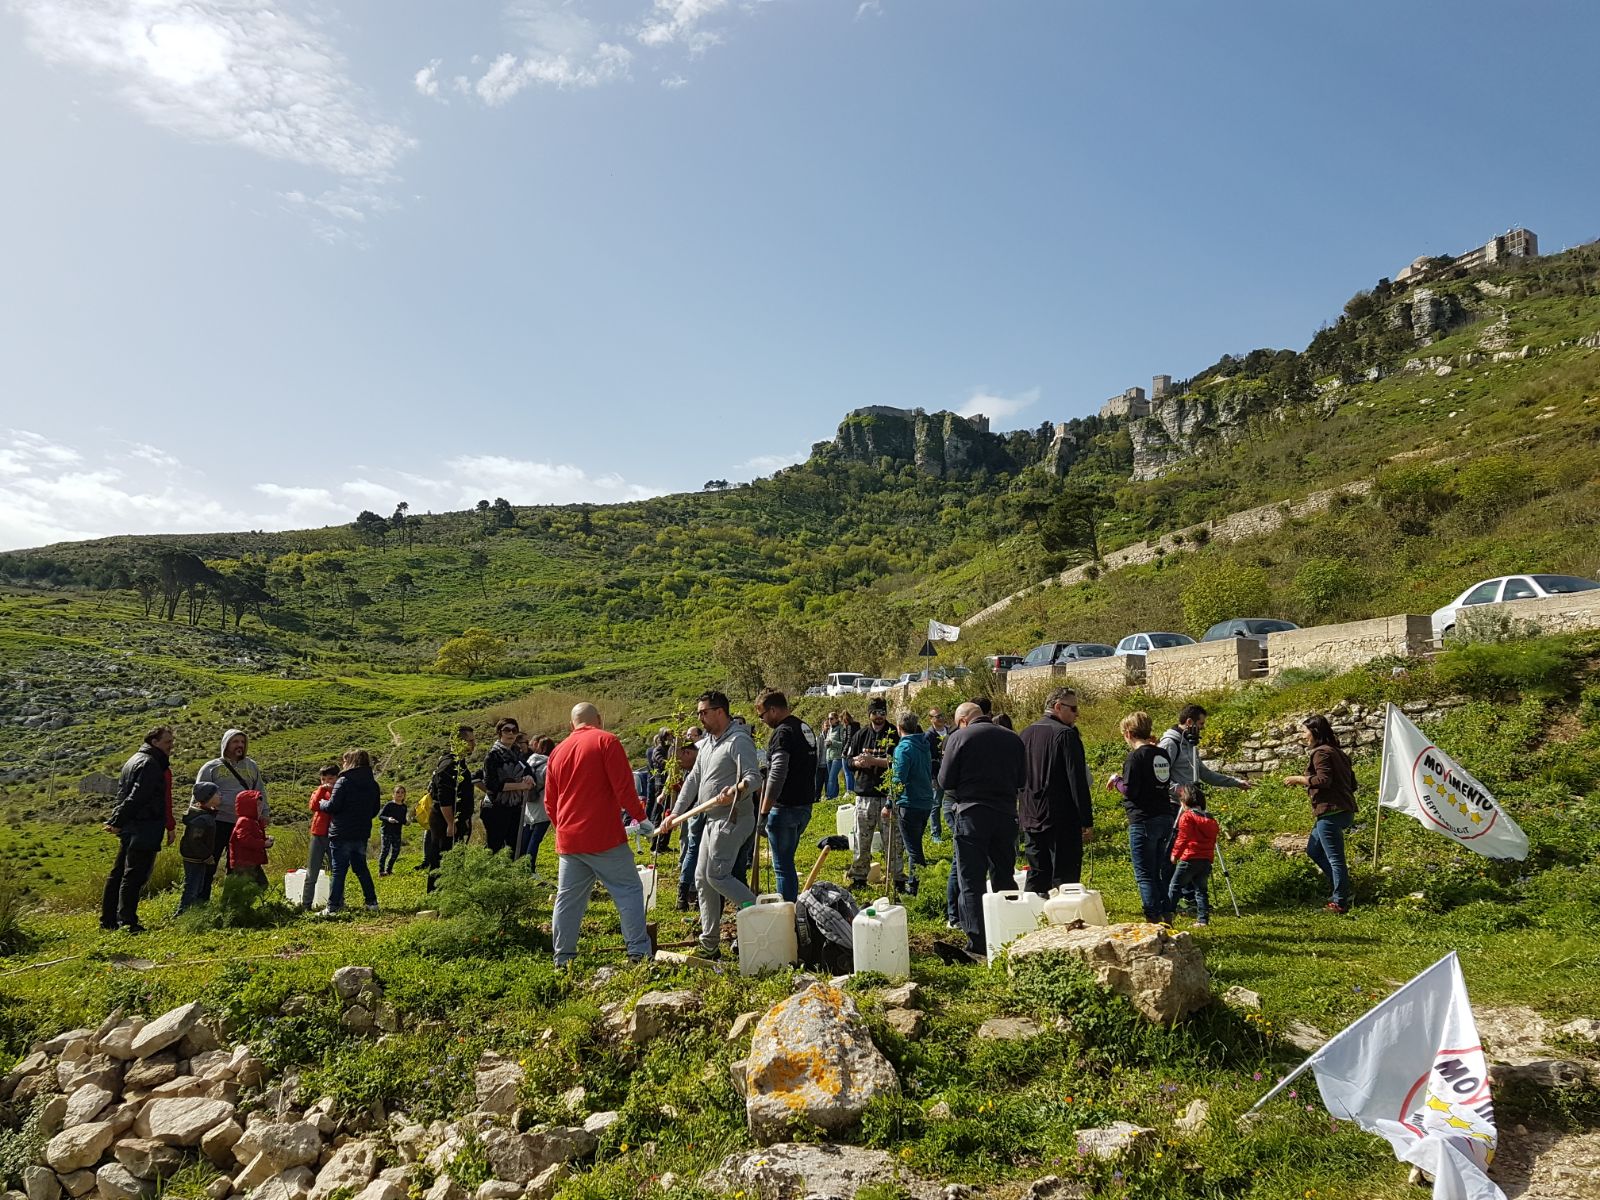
(1093, 676)
(1279, 750)
(1251, 522)
(1203, 667)
(1516, 618)
(1344, 647)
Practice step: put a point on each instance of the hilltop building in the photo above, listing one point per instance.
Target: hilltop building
(1514, 243)
(1132, 404)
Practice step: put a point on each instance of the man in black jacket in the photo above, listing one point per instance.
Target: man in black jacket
(1056, 813)
(142, 809)
(984, 768)
(450, 795)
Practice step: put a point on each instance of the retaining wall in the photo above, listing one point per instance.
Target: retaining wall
(1343, 647)
(1094, 675)
(1552, 614)
(1203, 667)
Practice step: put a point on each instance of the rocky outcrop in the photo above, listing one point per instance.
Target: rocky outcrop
(941, 443)
(1181, 425)
(789, 1171)
(1162, 974)
(813, 1063)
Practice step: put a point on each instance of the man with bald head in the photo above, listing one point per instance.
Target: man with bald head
(984, 768)
(588, 783)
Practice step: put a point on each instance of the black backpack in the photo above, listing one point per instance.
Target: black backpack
(822, 920)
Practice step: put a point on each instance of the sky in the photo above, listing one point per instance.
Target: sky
(272, 262)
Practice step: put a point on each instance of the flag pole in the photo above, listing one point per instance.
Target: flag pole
(1383, 774)
(1286, 1081)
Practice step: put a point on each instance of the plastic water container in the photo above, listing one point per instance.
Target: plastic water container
(294, 887)
(844, 824)
(767, 940)
(1074, 902)
(647, 880)
(1020, 877)
(1007, 916)
(879, 937)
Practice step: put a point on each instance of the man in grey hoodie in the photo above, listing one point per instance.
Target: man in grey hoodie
(233, 771)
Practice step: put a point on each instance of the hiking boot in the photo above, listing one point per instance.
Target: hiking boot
(135, 927)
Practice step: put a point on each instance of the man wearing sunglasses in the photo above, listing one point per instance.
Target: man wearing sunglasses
(1056, 813)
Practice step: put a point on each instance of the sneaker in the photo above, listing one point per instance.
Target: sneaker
(1201, 924)
(107, 928)
(1334, 906)
(372, 908)
(134, 928)
(949, 924)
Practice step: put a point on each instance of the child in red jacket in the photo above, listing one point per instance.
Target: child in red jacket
(247, 847)
(1193, 849)
(318, 852)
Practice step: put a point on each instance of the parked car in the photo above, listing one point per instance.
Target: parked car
(911, 677)
(1052, 653)
(943, 674)
(1508, 587)
(842, 683)
(880, 686)
(865, 684)
(1003, 662)
(1143, 643)
(817, 690)
(1254, 628)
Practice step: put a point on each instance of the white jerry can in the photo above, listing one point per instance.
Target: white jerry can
(767, 940)
(1074, 902)
(1007, 916)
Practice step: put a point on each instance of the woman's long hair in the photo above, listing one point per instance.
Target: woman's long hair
(1322, 733)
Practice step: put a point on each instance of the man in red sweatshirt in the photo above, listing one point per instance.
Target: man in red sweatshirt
(588, 785)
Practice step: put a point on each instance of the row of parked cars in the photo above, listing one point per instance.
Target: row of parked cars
(1499, 590)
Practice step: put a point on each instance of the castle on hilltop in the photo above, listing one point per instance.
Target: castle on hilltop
(1132, 404)
(1514, 243)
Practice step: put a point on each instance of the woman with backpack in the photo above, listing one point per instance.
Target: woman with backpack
(1330, 782)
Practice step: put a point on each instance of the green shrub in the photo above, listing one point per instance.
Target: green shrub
(15, 937)
(1330, 586)
(495, 893)
(240, 903)
(1507, 669)
(1223, 591)
(1491, 485)
(1414, 496)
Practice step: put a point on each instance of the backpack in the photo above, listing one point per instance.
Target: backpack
(822, 920)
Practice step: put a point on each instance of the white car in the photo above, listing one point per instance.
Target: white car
(1143, 643)
(1508, 587)
(843, 683)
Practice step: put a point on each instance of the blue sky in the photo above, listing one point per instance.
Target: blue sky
(274, 261)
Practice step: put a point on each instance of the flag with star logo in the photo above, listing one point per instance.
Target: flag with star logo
(1424, 782)
(1413, 1071)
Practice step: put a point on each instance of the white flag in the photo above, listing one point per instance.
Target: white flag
(943, 633)
(1412, 1071)
(1424, 782)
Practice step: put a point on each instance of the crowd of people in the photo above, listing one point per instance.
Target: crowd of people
(991, 789)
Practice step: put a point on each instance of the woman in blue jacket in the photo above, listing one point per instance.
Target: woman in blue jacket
(353, 806)
(913, 791)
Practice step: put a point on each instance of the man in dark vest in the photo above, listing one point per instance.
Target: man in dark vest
(1057, 811)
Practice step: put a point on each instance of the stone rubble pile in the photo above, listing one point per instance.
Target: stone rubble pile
(1280, 748)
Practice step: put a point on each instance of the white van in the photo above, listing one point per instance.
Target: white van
(843, 683)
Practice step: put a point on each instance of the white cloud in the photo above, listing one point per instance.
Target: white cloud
(525, 482)
(426, 81)
(367, 491)
(678, 21)
(765, 464)
(508, 74)
(337, 214)
(870, 8)
(152, 454)
(302, 503)
(674, 82)
(238, 72)
(996, 407)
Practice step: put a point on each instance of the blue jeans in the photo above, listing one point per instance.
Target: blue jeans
(786, 824)
(196, 884)
(575, 880)
(1189, 879)
(350, 854)
(938, 812)
(849, 776)
(913, 824)
(1325, 847)
(317, 852)
(689, 853)
(835, 770)
(1150, 844)
(532, 836)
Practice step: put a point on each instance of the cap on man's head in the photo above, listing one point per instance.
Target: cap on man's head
(878, 705)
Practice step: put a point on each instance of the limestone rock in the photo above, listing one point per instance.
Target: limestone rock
(181, 1122)
(445, 1188)
(1162, 974)
(115, 1182)
(358, 1019)
(293, 1184)
(562, 1144)
(1544, 1074)
(352, 1166)
(1305, 1038)
(1241, 997)
(599, 1123)
(202, 1038)
(217, 1144)
(547, 1181)
(85, 1104)
(1009, 1029)
(511, 1155)
(180, 1088)
(904, 996)
(790, 1170)
(1194, 1117)
(118, 1042)
(212, 1065)
(284, 1145)
(103, 1070)
(79, 1146)
(122, 1117)
(497, 1082)
(220, 1188)
(78, 1183)
(1117, 1138)
(151, 1072)
(57, 1045)
(907, 1022)
(165, 1030)
(381, 1189)
(656, 1013)
(53, 1115)
(1584, 1029)
(741, 1025)
(40, 1183)
(498, 1189)
(147, 1159)
(813, 1061)
(350, 982)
